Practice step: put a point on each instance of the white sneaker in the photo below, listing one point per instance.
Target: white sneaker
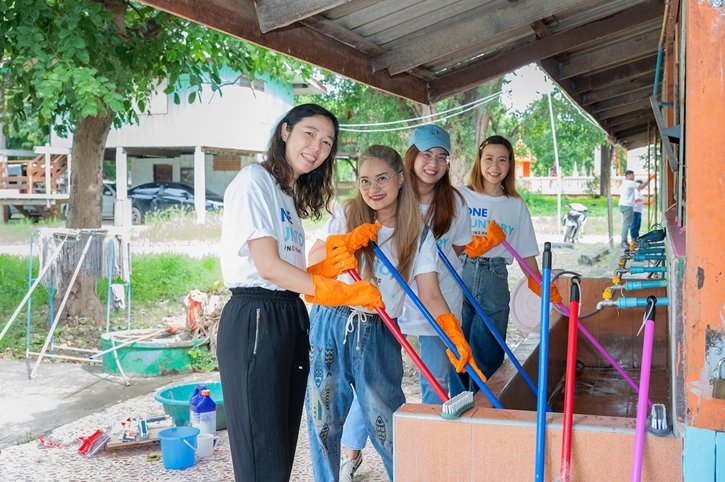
(349, 467)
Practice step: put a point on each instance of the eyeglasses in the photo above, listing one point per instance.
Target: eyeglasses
(429, 157)
(381, 182)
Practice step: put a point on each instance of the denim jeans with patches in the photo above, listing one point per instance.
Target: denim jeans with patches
(487, 279)
(350, 350)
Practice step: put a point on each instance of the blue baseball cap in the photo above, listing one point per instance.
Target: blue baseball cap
(429, 136)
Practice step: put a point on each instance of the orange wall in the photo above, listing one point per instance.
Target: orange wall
(704, 280)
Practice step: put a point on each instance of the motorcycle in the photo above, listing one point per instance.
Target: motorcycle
(574, 221)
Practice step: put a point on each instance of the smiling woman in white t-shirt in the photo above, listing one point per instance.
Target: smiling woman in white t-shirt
(262, 343)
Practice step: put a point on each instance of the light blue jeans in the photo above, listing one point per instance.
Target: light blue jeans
(433, 354)
(487, 279)
(347, 353)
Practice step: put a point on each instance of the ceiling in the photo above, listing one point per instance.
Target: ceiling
(603, 53)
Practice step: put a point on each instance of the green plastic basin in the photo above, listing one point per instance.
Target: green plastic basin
(175, 400)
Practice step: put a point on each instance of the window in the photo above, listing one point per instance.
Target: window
(163, 172)
(187, 175)
(226, 162)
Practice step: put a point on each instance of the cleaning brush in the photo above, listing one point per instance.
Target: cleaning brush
(658, 420)
(454, 407)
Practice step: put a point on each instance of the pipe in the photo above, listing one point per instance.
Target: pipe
(623, 302)
(424, 311)
(647, 269)
(543, 362)
(488, 323)
(570, 379)
(640, 285)
(641, 423)
(650, 251)
(406, 345)
(648, 257)
(583, 330)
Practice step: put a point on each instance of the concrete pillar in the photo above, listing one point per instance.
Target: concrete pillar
(122, 205)
(199, 185)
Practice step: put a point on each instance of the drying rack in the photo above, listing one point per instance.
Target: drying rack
(118, 265)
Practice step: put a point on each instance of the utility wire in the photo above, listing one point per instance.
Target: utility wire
(430, 120)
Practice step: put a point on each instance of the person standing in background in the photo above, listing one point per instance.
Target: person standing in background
(626, 202)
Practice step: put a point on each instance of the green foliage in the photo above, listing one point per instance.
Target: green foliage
(576, 137)
(68, 60)
(202, 359)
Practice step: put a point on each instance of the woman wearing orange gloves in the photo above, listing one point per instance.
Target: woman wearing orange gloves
(491, 196)
(263, 347)
(351, 346)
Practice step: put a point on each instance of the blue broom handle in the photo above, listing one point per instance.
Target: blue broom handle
(488, 323)
(543, 362)
(424, 311)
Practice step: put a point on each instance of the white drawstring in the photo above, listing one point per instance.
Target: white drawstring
(362, 317)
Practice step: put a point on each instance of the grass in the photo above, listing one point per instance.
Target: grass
(19, 230)
(158, 282)
(177, 224)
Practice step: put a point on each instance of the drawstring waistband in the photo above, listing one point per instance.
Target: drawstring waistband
(362, 317)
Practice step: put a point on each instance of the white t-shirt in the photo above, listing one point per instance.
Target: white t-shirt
(626, 192)
(412, 322)
(638, 201)
(393, 295)
(255, 207)
(511, 214)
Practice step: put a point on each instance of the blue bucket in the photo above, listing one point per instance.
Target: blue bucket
(178, 446)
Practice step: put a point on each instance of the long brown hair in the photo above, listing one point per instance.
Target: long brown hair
(313, 190)
(476, 181)
(408, 222)
(442, 210)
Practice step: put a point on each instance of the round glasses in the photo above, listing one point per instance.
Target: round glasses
(381, 182)
(428, 157)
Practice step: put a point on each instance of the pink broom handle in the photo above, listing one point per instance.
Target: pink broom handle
(406, 345)
(584, 331)
(641, 424)
(570, 381)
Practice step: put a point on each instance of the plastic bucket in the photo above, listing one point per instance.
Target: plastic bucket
(178, 446)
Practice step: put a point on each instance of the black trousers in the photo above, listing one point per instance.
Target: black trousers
(263, 352)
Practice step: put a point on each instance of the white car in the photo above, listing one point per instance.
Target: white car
(109, 201)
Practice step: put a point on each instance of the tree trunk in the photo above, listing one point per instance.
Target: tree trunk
(84, 212)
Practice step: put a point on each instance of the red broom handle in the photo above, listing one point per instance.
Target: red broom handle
(570, 380)
(406, 345)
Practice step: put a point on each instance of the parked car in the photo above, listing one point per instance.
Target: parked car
(157, 196)
(109, 201)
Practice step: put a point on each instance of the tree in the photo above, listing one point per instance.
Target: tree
(82, 66)
(576, 136)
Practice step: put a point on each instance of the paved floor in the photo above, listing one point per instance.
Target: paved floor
(65, 401)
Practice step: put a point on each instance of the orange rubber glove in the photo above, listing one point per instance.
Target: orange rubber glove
(338, 258)
(362, 235)
(451, 327)
(481, 244)
(554, 295)
(330, 292)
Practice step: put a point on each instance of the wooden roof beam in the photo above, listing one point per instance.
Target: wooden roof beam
(274, 14)
(616, 53)
(616, 75)
(479, 72)
(238, 18)
(623, 119)
(470, 29)
(625, 109)
(630, 98)
(615, 90)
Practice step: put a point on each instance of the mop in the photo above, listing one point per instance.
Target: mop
(543, 363)
(582, 329)
(648, 323)
(424, 311)
(406, 345)
(570, 380)
(488, 323)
